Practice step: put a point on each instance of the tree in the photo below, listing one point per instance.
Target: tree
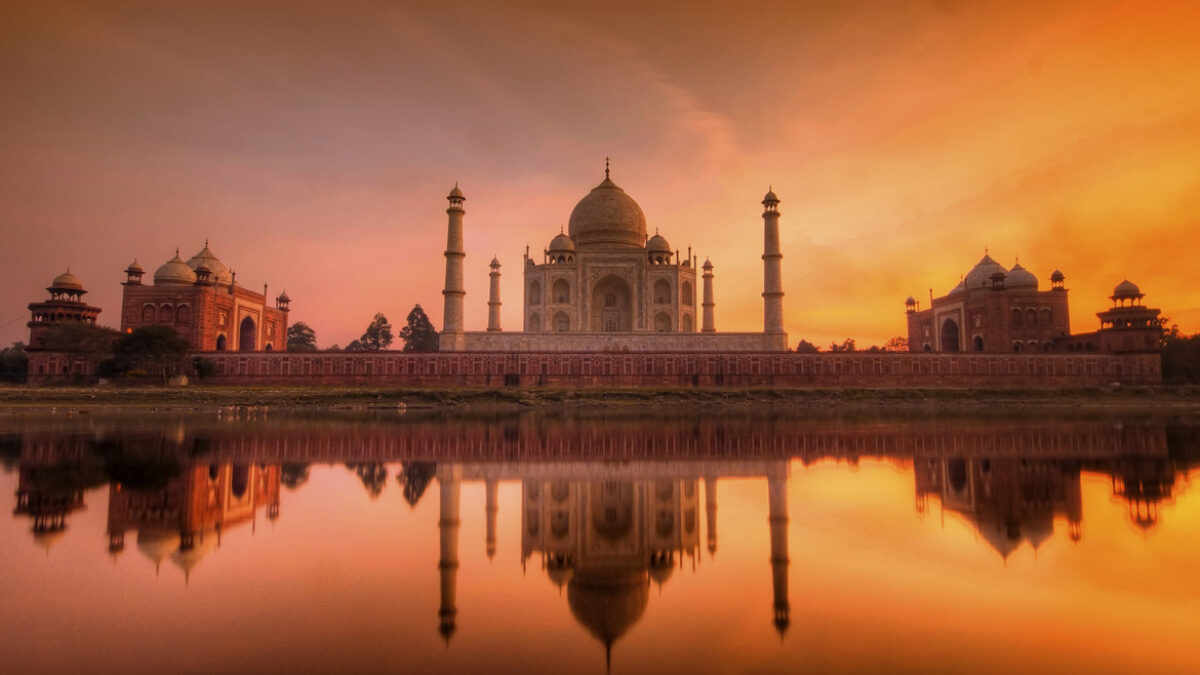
(80, 340)
(14, 363)
(846, 346)
(373, 476)
(896, 344)
(419, 334)
(152, 349)
(301, 338)
(415, 477)
(806, 347)
(377, 338)
(1180, 355)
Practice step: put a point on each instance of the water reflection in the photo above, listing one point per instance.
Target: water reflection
(609, 509)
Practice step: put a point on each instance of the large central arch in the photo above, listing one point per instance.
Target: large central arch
(612, 306)
(247, 334)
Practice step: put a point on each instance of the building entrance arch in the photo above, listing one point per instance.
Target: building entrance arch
(950, 336)
(612, 306)
(246, 335)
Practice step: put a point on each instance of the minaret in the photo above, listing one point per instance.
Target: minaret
(710, 512)
(490, 506)
(778, 519)
(708, 323)
(448, 486)
(494, 297)
(452, 339)
(772, 275)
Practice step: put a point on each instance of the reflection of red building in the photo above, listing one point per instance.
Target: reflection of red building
(44, 496)
(201, 299)
(1009, 500)
(184, 520)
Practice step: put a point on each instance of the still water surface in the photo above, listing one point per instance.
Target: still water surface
(545, 543)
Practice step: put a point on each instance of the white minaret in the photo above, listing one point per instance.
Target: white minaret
(452, 339)
(448, 486)
(708, 323)
(494, 297)
(772, 274)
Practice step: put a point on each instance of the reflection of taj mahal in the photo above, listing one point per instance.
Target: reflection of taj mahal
(605, 534)
(604, 283)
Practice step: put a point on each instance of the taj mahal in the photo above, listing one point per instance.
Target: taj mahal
(605, 284)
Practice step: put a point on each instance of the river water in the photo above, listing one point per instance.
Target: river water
(247, 541)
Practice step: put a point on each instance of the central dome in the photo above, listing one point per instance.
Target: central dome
(608, 216)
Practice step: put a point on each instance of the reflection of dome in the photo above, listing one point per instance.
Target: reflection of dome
(174, 271)
(1019, 277)
(608, 602)
(67, 282)
(157, 544)
(1127, 289)
(1038, 531)
(48, 538)
(562, 243)
(608, 216)
(189, 558)
(560, 574)
(1000, 537)
(660, 573)
(981, 274)
(217, 271)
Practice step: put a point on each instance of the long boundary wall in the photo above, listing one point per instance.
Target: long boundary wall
(682, 370)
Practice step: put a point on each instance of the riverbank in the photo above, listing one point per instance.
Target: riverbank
(1125, 399)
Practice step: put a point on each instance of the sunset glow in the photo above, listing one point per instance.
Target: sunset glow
(314, 146)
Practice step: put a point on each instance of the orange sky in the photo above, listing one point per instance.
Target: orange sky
(314, 143)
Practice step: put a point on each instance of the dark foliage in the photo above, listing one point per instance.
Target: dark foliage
(415, 477)
(14, 364)
(418, 334)
(301, 338)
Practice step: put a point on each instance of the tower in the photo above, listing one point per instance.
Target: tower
(772, 274)
(778, 518)
(708, 323)
(448, 487)
(491, 510)
(452, 338)
(494, 296)
(710, 512)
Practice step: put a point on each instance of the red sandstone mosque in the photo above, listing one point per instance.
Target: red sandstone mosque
(999, 310)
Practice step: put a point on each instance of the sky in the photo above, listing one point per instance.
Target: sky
(313, 144)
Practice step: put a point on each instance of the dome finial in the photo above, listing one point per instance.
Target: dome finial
(176, 251)
(605, 166)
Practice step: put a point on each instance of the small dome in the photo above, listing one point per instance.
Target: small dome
(658, 244)
(455, 193)
(562, 243)
(980, 276)
(607, 215)
(770, 197)
(1127, 289)
(218, 273)
(707, 264)
(283, 297)
(910, 301)
(134, 268)
(174, 271)
(495, 261)
(67, 282)
(1057, 276)
(1019, 277)
(660, 573)
(560, 574)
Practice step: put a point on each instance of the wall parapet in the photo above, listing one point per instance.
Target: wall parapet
(686, 369)
(623, 342)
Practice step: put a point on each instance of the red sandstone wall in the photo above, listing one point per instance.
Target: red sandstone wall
(689, 370)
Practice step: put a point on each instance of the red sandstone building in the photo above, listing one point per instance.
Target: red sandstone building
(201, 299)
(66, 305)
(997, 310)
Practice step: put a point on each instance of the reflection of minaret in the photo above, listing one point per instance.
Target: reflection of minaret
(448, 486)
(710, 512)
(490, 502)
(778, 519)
